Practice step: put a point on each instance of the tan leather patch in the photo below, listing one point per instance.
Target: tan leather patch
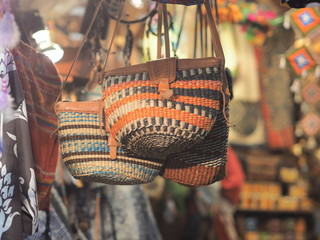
(162, 69)
(83, 107)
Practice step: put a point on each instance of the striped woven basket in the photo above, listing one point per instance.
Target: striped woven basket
(146, 124)
(203, 164)
(167, 105)
(86, 153)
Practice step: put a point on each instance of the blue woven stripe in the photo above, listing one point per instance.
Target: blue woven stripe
(79, 115)
(87, 147)
(135, 170)
(68, 120)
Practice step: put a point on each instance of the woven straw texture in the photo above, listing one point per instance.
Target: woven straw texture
(184, 2)
(204, 163)
(149, 126)
(86, 154)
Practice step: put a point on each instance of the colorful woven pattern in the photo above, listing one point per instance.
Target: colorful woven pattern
(300, 60)
(305, 20)
(311, 93)
(183, 2)
(86, 154)
(150, 126)
(41, 85)
(204, 163)
(310, 124)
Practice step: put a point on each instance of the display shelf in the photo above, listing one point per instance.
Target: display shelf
(273, 212)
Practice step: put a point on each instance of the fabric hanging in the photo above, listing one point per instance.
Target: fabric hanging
(18, 198)
(277, 101)
(245, 110)
(41, 85)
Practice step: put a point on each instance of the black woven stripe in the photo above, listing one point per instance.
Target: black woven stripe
(214, 75)
(149, 165)
(73, 154)
(214, 145)
(79, 126)
(206, 94)
(160, 128)
(221, 173)
(82, 137)
(201, 156)
(197, 92)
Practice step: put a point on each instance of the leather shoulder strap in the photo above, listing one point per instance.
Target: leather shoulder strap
(214, 33)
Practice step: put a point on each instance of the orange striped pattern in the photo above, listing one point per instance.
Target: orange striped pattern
(189, 100)
(199, 121)
(147, 125)
(195, 84)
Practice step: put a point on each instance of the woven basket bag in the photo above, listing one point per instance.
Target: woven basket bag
(167, 105)
(89, 154)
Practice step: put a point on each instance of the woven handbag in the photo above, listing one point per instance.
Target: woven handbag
(90, 154)
(88, 150)
(167, 105)
(183, 2)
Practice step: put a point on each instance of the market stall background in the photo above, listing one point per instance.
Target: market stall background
(273, 55)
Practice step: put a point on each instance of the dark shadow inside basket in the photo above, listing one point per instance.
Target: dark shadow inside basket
(157, 145)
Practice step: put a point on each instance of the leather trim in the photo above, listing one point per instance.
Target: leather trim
(93, 107)
(83, 107)
(112, 143)
(162, 69)
(182, 64)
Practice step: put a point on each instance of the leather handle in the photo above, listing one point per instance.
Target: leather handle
(214, 34)
(159, 44)
(95, 14)
(166, 30)
(163, 17)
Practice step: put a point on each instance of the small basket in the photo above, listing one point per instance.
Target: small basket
(86, 153)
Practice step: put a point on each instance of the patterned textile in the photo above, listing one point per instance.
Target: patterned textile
(184, 2)
(277, 101)
(310, 124)
(41, 86)
(129, 211)
(300, 60)
(106, 212)
(309, 121)
(305, 21)
(311, 93)
(18, 198)
(50, 227)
